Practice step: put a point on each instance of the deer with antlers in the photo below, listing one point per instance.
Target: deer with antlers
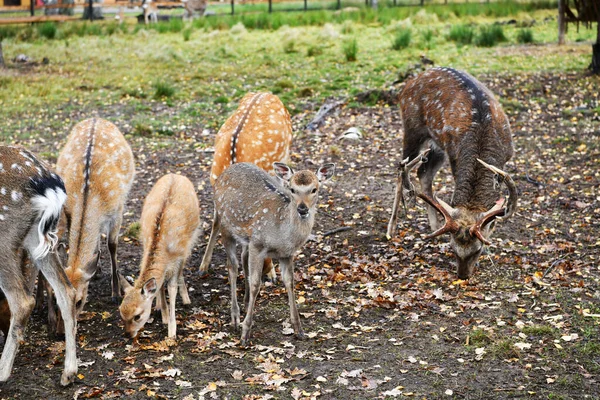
(453, 115)
(31, 201)
(98, 168)
(259, 132)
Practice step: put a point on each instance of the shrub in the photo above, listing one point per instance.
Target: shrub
(428, 37)
(112, 28)
(314, 51)
(289, 46)
(94, 29)
(525, 36)
(490, 35)
(402, 39)
(350, 48)
(47, 30)
(163, 89)
(462, 34)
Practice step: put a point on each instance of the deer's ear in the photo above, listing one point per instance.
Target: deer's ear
(325, 172)
(91, 267)
(150, 288)
(283, 171)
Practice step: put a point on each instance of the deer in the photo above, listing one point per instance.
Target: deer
(98, 168)
(259, 132)
(452, 115)
(271, 217)
(32, 197)
(170, 225)
(194, 6)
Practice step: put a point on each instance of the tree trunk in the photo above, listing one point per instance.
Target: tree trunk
(1, 56)
(561, 22)
(595, 65)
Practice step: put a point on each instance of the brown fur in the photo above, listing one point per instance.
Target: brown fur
(4, 316)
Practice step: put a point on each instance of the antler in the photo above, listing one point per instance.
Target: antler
(449, 224)
(501, 211)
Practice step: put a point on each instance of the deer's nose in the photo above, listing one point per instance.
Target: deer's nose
(303, 210)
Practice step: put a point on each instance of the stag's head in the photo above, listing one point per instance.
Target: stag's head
(470, 229)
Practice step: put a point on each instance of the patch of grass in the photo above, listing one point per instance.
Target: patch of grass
(350, 48)
(222, 100)
(479, 337)
(335, 150)
(112, 28)
(589, 348)
(133, 230)
(490, 35)
(142, 129)
(187, 34)
(47, 30)
(504, 349)
(525, 36)
(462, 34)
(289, 46)
(401, 39)
(538, 330)
(163, 89)
(428, 37)
(314, 50)
(94, 30)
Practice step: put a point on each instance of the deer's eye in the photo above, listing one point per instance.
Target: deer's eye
(137, 317)
(314, 190)
(292, 190)
(79, 303)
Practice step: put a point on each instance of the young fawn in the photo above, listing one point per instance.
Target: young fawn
(254, 209)
(259, 132)
(31, 200)
(457, 117)
(97, 167)
(169, 229)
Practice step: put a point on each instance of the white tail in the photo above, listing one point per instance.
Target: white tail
(31, 199)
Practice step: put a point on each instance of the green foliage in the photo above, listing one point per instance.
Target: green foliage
(187, 34)
(7, 32)
(313, 51)
(479, 338)
(289, 46)
(133, 230)
(525, 36)
(401, 39)
(538, 330)
(94, 30)
(222, 100)
(141, 129)
(462, 34)
(112, 28)
(490, 35)
(163, 89)
(428, 37)
(350, 48)
(47, 30)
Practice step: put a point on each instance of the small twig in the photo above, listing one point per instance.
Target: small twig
(336, 230)
(535, 182)
(550, 268)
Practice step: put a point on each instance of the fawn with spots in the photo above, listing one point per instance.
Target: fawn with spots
(98, 168)
(270, 219)
(259, 132)
(169, 229)
(31, 201)
(454, 115)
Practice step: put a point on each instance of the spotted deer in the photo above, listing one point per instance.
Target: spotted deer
(98, 168)
(31, 200)
(259, 132)
(169, 229)
(270, 219)
(451, 114)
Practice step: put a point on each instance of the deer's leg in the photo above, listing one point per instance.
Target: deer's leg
(21, 304)
(164, 311)
(172, 287)
(246, 280)
(269, 270)
(287, 276)
(233, 268)
(183, 292)
(65, 296)
(214, 232)
(112, 241)
(39, 295)
(426, 173)
(255, 264)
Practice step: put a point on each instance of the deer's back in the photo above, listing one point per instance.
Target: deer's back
(452, 103)
(259, 132)
(170, 219)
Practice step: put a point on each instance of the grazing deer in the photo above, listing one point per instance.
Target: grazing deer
(259, 132)
(194, 6)
(97, 167)
(169, 229)
(254, 209)
(456, 116)
(31, 200)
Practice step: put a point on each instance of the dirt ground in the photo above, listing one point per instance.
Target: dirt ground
(384, 318)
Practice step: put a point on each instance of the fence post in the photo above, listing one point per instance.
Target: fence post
(339, 4)
(305, 5)
(422, 3)
(232, 7)
(561, 22)
(394, 3)
(91, 8)
(32, 7)
(270, 6)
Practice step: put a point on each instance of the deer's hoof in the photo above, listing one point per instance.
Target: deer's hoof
(116, 299)
(67, 378)
(203, 274)
(301, 336)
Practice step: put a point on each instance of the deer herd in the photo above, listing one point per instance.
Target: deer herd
(53, 220)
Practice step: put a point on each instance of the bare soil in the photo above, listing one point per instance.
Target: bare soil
(385, 318)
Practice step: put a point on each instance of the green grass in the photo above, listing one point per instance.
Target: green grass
(350, 48)
(504, 349)
(525, 36)
(539, 330)
(187, 34)
(47, 30)
(479, 338)
(163, 89)
(401, 39)
(462, 34)
(490, 35)
(133, 230)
